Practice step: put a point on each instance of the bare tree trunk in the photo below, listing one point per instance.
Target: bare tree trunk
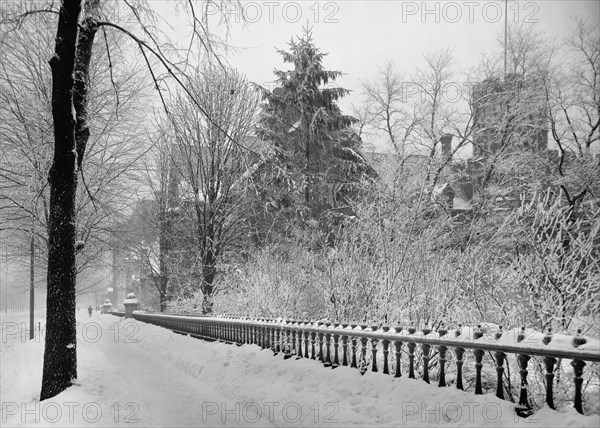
(163, 294)
(60, 354)
(82, 73)
(70, 81)
(209, 270)
(162, 263)
(164, 274)
(166, 203)
(307, 160)
(31, 283)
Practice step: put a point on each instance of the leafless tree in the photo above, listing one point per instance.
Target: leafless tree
(573, 113)
(148, 232)
(577, 103)
(364, 118)
(432, 81)
(390, 112)
(114, 146)
(212, 166)
(77, 26)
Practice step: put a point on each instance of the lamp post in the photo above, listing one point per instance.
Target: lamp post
(5, 277)
(31, 283)
(505, 35)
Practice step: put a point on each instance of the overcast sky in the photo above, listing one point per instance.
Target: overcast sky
(360, 35)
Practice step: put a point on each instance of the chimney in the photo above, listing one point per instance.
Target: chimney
(446, 141)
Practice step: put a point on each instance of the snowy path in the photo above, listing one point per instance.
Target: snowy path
(134, 374)
(149, 390)
(119, 383)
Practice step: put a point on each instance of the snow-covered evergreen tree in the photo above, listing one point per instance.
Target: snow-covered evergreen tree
(314, 163)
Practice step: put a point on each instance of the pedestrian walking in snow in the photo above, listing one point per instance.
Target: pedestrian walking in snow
(90, 310)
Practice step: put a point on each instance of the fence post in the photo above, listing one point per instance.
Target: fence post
(131, 304)
(386, 350)
(313, 336)
(500, 357)
(306, 333)
(327, 362)
(426, 349)
(578, 366)
(336, 345)
(549, 362)
(523, 360)
(374, 343)
(478, 366)
(300, 331)
(411, 355)
(344, 345)
(320, 336)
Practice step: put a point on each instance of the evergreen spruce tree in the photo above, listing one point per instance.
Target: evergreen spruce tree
(315, 165)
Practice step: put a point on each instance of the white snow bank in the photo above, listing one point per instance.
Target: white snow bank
(136, 374)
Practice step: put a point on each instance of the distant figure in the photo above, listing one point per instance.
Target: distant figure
(90, 310)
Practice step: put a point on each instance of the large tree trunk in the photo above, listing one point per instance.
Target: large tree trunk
(164, 274)
(209, 270)
(85, 43)
(163, 250)
(60, 354)
(70, 81)
(163, 281)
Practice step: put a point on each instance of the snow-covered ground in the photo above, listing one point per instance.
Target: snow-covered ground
(135, 374)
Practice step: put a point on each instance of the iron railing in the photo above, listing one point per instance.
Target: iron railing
(335, 344)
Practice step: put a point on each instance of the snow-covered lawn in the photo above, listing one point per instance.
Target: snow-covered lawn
(135, 374)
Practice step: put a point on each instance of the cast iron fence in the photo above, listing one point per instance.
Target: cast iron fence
(365, 347)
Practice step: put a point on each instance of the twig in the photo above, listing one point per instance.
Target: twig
(110, 69)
